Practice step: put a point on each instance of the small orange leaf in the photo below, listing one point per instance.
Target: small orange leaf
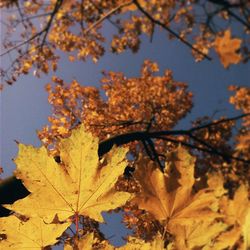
(227, 48)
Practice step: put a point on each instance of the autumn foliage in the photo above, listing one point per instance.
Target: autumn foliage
(75, 27)
(188, 214)
(114, 148)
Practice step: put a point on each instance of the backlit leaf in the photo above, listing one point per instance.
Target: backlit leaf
(76, 186)
(31, 234)
(226, 47)
(170, 198)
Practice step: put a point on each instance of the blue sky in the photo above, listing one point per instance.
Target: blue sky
(24, 106)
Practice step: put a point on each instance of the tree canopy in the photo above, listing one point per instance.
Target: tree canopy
(116, 147)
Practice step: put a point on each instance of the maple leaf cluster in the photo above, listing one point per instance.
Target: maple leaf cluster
(81, 186)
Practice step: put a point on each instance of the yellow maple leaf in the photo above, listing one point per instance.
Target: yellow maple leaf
(31, 234)
(169, 197)
(237, 208)
(227, 48)
(169, 194)
(199, 234)
(237, 216)
(246, 229)
(76, 186)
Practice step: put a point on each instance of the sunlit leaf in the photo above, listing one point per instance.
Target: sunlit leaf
(31, 234)
(226, 47)
(76, 186)
(170, 198)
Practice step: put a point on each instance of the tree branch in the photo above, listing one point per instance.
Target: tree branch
(235, 118)
(22, 43)
(227, 6)
(212, 149)
(47, 28)
(44, 30)
(247, 25)
(106, 15)
(108, 18)
(152, 19)
(12, 189)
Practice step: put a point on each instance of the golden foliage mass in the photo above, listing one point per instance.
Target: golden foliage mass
(236, 213)
(136, 244)
(129, 105)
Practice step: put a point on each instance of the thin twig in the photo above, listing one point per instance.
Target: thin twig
(20, 13)
(46, 30)
(212, 148)
(155, 154)
(148, 152)
(122, 124)
(247, 25)
(106, 15)
(100, 10)
(23, 43)
(210, 151)
(105, 146)
(169, 30)
(36, 16)
(219, 122)
(227, 6)
(82, 10)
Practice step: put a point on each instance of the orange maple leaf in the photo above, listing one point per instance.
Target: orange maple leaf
(227, 48)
